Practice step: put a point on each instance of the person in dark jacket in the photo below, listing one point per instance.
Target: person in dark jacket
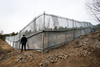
(23, 42)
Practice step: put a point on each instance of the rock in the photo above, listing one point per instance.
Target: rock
(80, 55)
(84, 43)
(59, 59)
(86, 52)
(84, 48)
(89, 52)
(56, 59)
(77, 46)
(99, 39)
(25, 61)
(19, 61)
(91, 58)
(60, 56)
(77, 42)
(21, 58)
(66, 56)
(41, 64)
(99, 35)
(81, 44)
(52, 61)
(45, 65)
(25, 54)
(92, 50)
(48, 56)
(81, 37)
(32, 58)
(86, 39)
(84, 55)
(43, 61)
(81, 50)
(0, 58)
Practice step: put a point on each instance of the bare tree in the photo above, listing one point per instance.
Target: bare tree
(93, 6)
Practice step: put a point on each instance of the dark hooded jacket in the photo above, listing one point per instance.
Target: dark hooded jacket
(23, 40)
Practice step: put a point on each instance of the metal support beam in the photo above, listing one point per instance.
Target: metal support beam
(73, 29)
(19, 38)
(43, 33)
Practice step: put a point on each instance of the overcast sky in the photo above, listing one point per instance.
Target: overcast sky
(16, 14)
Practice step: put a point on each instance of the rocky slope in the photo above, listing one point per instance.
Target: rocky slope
(81, 52)
(78, 53)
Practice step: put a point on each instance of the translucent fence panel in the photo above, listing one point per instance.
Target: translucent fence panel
(77, 33)
(82, 31)
(57, 23)
(48, 22)
(83, 24)
(39, 24)
(34, 27)
(57, 30)
(16, 45)
(28, 30)
(69, 35)
(62, 24)
(35, 42)
(16, 37)
(53, 38)
(78, 24)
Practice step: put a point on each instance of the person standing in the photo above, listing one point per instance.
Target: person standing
(23, 42)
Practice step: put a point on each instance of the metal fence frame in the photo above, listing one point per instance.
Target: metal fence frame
(9, 40)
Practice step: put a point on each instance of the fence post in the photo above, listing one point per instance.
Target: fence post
(89, 27)
(13, 41)
(65, 36)
(10, 40)
(19, 38)
(43, 32)
(66, 29)
(84, 27)
(42, 42)
(67, 24)
(80, 28)
(73, 29)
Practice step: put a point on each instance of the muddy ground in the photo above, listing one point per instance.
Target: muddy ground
(81, 52)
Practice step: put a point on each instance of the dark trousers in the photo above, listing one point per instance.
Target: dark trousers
(23, 45)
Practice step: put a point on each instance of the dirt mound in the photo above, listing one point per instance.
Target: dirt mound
(81, 52)
(29, 58)
(10, 57)
(4, 47)
(90, 60)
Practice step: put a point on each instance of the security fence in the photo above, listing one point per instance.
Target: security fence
(47, 31)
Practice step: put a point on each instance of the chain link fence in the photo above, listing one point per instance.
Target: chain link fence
(47, 31)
